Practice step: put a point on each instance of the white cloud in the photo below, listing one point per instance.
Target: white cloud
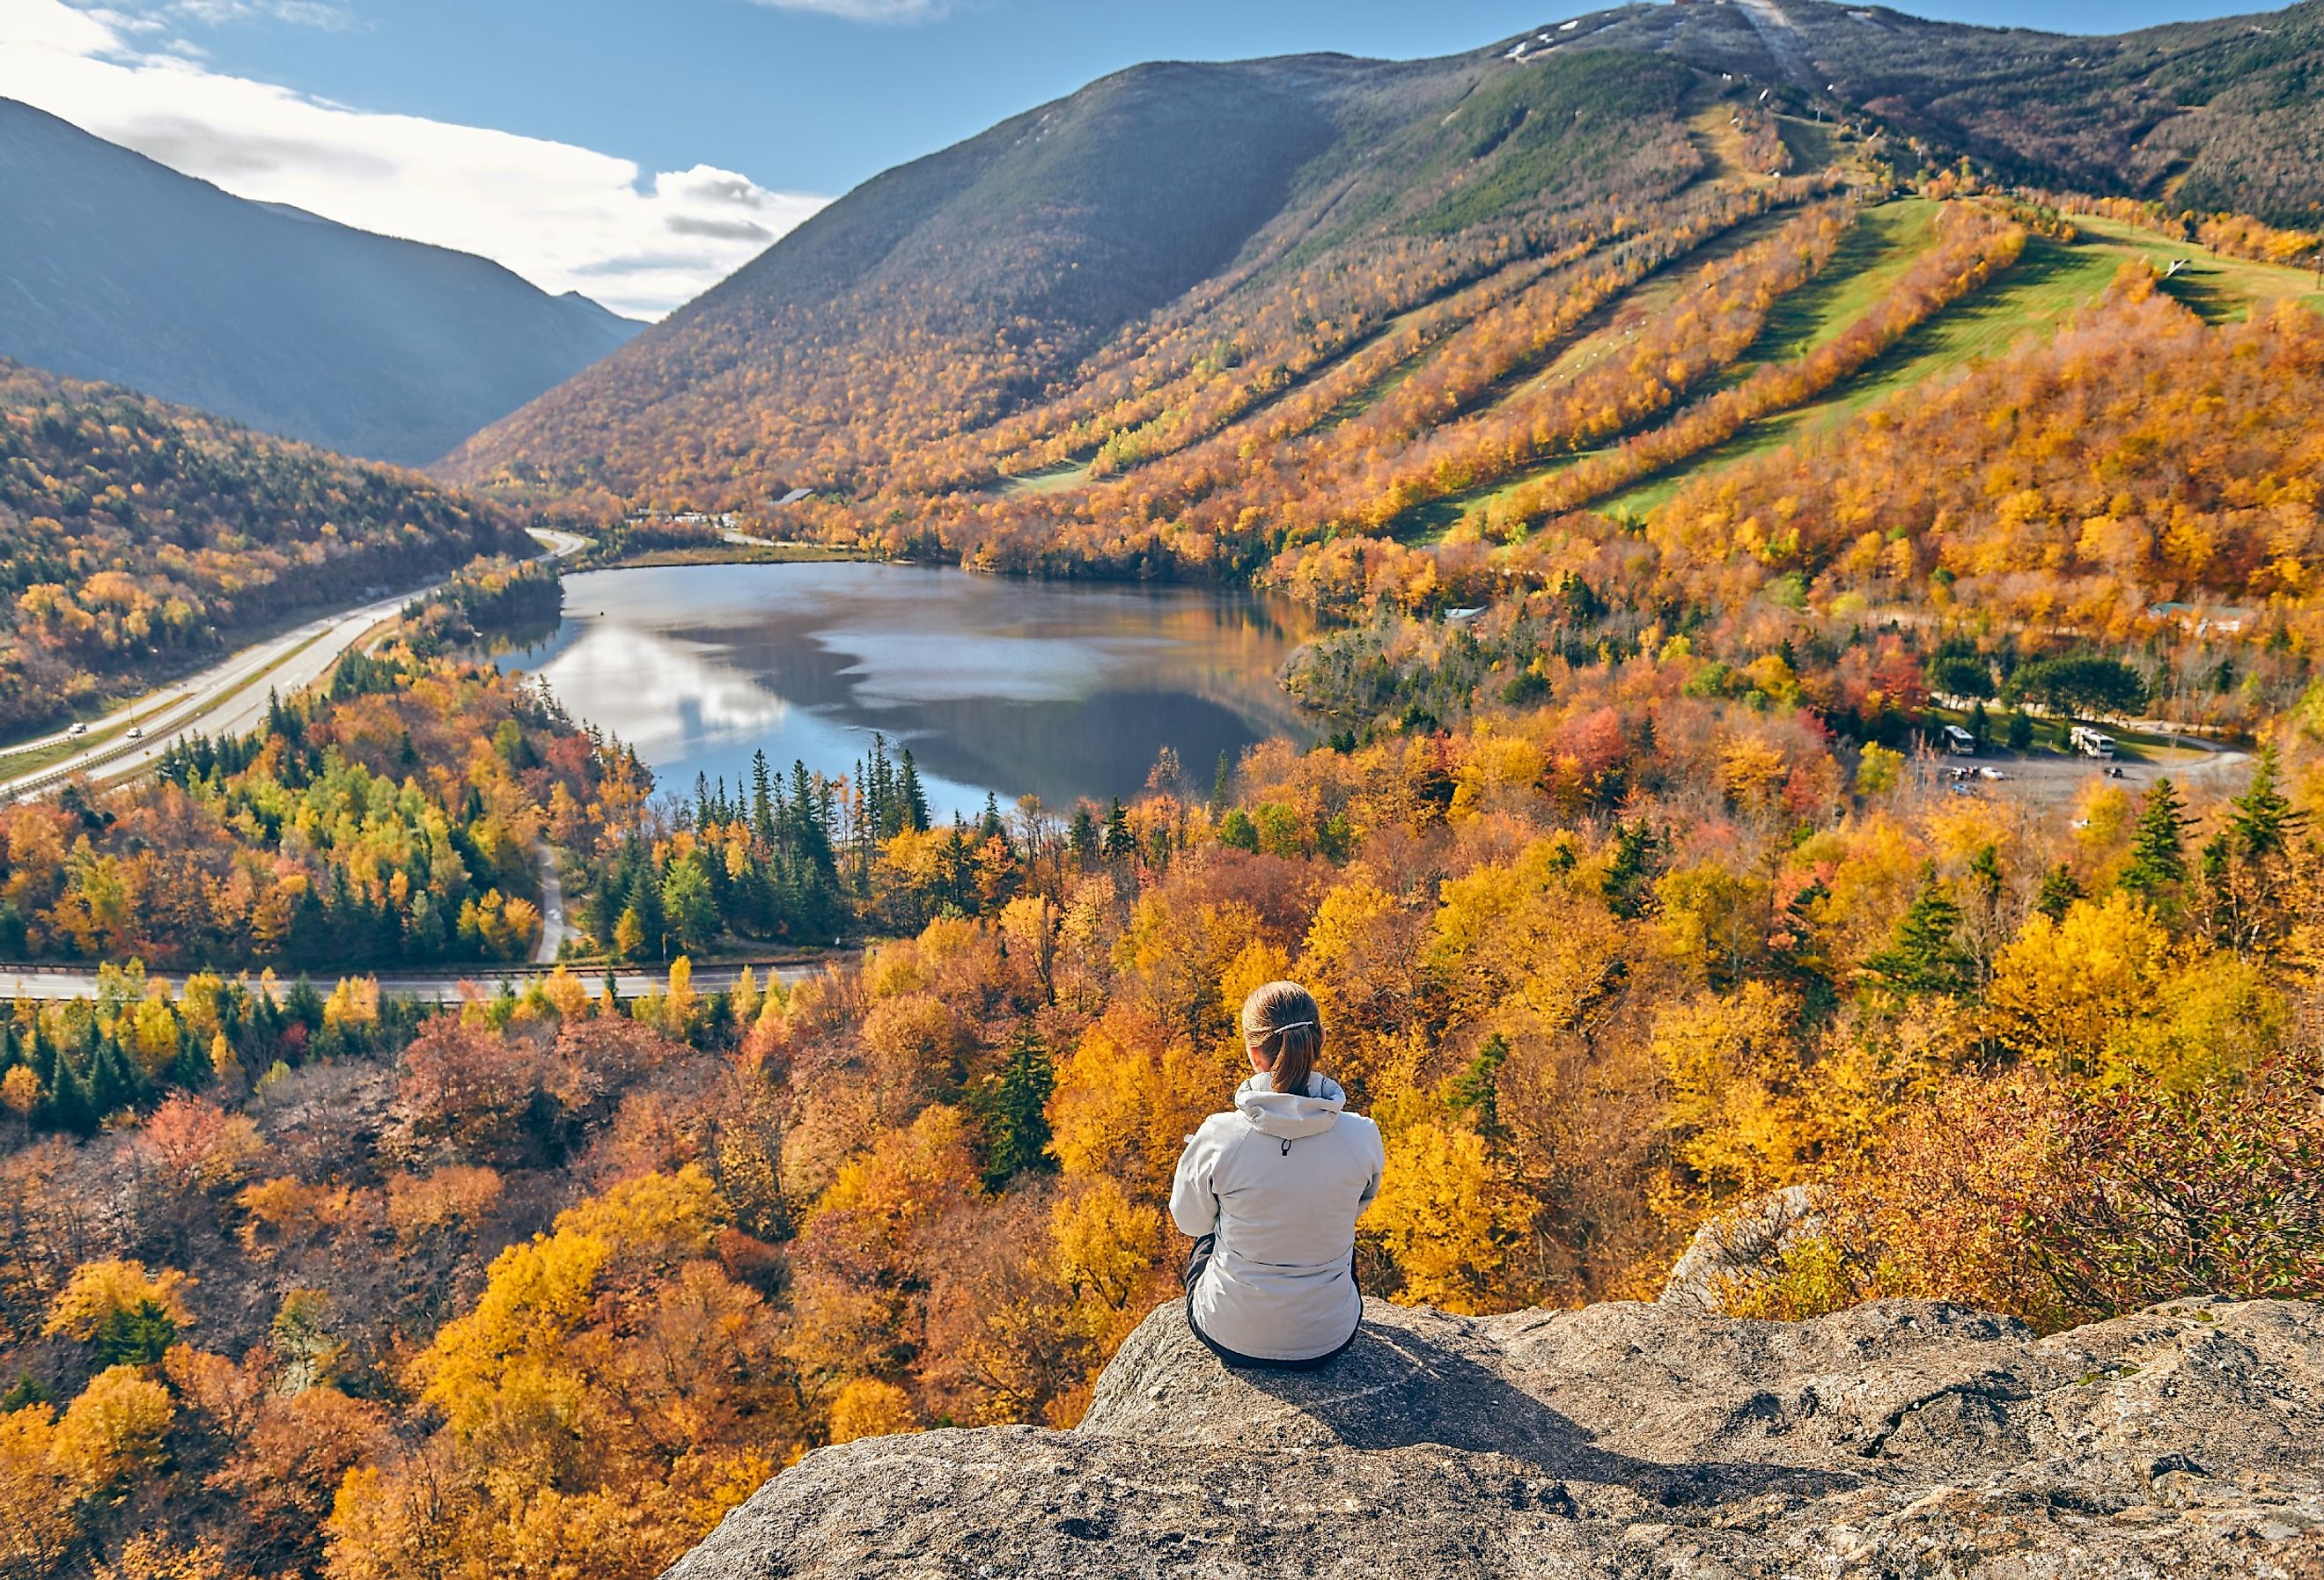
(566, 217)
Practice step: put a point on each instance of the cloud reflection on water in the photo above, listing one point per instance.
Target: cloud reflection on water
(1062, 689)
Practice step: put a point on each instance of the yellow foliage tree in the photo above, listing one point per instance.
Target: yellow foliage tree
(868, 1408)
(113, 1429)
(1109, 1256)
(99, 1290)
(1442, 1216)
(2061, 990)
(1733, 1069)
(37, 1496)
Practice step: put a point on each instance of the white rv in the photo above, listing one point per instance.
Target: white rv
(2091, 743)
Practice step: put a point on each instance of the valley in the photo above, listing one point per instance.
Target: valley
(1735, 589)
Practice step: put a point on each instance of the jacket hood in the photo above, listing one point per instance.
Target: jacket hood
(1291, 1115)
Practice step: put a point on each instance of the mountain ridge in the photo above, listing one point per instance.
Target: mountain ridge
(123, 270)
(938, 306)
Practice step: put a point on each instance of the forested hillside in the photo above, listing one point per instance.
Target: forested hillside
(551, 1282)
(1183, 252)
(1674, 442)
(120, 269)
(135, 535)
(946, 294)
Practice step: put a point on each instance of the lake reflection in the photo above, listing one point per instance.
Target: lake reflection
(1056, 689)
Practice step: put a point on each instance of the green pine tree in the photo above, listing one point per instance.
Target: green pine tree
(1926, 956)
(1016, 1118)
(2263, 818)
(1478, 1089)
(2059, 892)
(2158, 846)
(139, 1335)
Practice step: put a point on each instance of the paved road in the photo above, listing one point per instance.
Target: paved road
(230, 697)
(40, 982)
(554, 930)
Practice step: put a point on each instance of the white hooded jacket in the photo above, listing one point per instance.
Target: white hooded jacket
(1280, 1180)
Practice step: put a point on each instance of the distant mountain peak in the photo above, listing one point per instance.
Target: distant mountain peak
(120, 269)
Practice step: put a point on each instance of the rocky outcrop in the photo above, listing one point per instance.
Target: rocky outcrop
(1899, 1438)
(1748, 1239)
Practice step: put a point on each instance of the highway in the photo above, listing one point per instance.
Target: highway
(230, 695)
(64, 982)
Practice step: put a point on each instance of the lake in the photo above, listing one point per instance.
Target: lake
(1007, 686)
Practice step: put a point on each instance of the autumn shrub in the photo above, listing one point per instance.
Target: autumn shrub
(2061, 1202)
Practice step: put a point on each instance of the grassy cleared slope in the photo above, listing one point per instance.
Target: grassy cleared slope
(2049, 285)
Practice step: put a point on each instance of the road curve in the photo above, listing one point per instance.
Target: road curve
(72, 982)
(230, 697)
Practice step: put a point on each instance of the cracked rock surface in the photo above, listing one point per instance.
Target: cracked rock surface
(1901, 1439)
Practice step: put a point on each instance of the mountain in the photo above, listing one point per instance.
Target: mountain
(2217, 114)
(1618, 1439)
(120, 269)
(953, 289)
(991, 311)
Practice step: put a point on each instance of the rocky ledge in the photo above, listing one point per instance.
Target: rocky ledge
(1897, 1439)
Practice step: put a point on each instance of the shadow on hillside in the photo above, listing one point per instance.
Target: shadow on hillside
(1397, 1389)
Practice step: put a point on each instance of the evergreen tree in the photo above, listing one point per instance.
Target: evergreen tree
(2059, 892)
(1478, 1089)
(2263, 818)
(687, 903)
(1222, 786)
(643, 902)
(69, 1108)
(913, 797)
(1625, 883)
(1016, 1118)
(2158, 854)
(304, 1005)
(1926, 956)
(1081, 838)
(762, 801)
(138, 1335)
(1118, 841)
(1984, 866)
(111, 1080)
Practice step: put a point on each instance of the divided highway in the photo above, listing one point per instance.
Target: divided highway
(230, 695)
(229, 698)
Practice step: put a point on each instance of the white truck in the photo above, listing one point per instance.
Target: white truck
(2091, 743)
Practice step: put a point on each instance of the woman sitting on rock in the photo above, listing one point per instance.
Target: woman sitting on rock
(1271, 1191)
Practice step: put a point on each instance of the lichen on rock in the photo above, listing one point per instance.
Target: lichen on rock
(1896, 1438)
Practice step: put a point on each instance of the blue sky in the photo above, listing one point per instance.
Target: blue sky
(640, 149)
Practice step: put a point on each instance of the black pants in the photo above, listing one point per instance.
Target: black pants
(1201, 1258)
